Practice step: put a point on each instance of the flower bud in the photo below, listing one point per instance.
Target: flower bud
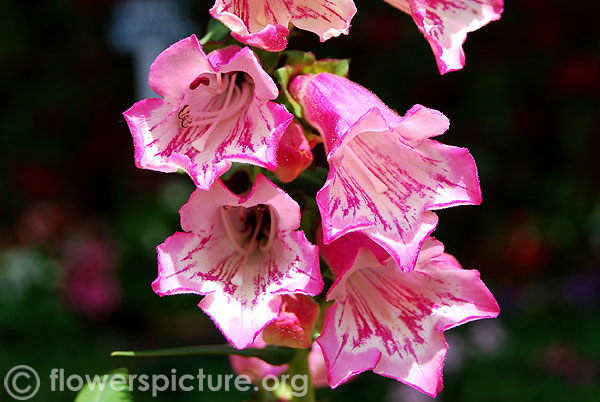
(294, 324)
(293, 153)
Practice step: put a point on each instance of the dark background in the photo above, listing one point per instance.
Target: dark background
(79, 223)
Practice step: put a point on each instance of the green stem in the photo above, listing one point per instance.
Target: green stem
(271, 354)
(299, 366)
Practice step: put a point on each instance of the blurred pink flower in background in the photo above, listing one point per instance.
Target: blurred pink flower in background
(90, 284)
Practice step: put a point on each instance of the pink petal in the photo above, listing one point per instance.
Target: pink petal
(445, 24)
(391, 321)
(386, 175)
(254, 367)
(257, 369)
(263, 23)
(177, 66)
(232, 59)
(241, 296)
(316, 366)
(241, 125)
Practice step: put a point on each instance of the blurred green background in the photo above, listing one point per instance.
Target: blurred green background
(79, 223)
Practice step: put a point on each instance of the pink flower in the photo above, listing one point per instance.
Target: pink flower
(445, 24)
(215, 110)
(294, 325)
(392, 321)
(254, 367)
(316, 366)
(243, 253)
(264, 23)
(293, 154)
(386, 174)
(257, 369)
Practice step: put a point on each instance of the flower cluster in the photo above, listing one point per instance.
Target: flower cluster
(395, 290)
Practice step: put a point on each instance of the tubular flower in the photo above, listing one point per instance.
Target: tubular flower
(392, 322)
(243, 253)
(264, 23)
(215, 110)
(386, 174)
(445, 24)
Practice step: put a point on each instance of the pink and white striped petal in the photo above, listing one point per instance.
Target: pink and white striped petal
(446, 23)
(264, 23)
(216, 110)
(242, 287)
(386, 174)
(392, 322)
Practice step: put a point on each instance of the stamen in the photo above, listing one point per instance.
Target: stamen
(219, 82)
(271, 235)
(230, 230)
(200, 143)
(378, 185)
(258, 224)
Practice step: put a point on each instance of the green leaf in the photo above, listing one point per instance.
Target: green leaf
(268, 60)
(215, 31)
(298, 58)
(113, 387)
(283, 76)
(334, 66)
(273, 355)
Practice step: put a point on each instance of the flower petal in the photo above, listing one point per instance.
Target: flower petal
(250, 137)
(263, 23)
(326, 18)
(177, 66)
(232, 59)
(445, 24)
(390, 321)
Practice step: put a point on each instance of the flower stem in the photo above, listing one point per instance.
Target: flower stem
(299, 366)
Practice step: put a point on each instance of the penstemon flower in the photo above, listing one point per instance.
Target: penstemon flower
(264, 23)
(445, 24)
(392, 321)
(243, 253)
(215, 110)
(386, 174)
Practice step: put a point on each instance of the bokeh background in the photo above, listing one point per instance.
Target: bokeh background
(79, 223)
